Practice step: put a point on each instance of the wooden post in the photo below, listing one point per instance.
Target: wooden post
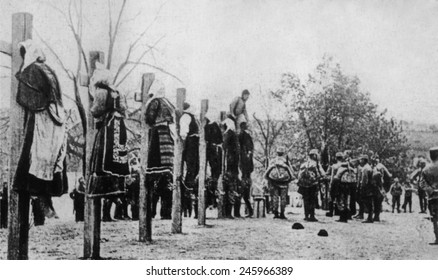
(18, 205)
(145, 200)
(93, 205)
(220, 182)
(178, 165)
(202, 164)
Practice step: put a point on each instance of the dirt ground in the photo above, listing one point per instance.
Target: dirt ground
(398, 236)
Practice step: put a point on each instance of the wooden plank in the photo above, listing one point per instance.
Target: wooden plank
(5, 48)
(220, 182)
(93, 206)
(202, 164)
(178, 165)
(145, 200)
(18, 220)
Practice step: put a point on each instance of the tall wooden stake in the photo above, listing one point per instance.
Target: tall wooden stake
(18, 220)
(178, 165)
(145, 200)
(93, 205)
(220, 182)
(202, 164)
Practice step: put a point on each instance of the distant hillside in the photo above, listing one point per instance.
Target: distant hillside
(421, 137)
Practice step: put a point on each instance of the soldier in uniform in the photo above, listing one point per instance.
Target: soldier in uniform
(366, 187)
(430, 173)
(332, 192)
(309, 178)
(381, 175)
(344, 180)
(279, 183)
(418, 179)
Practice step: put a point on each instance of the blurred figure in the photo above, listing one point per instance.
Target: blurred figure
(78, 196)
(238, 112)
(396, 191)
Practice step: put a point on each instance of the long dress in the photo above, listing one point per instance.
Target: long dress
(41, 169)
(109, 159)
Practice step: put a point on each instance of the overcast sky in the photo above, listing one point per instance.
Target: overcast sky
(219, 48)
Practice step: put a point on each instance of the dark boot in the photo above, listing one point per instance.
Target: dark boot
(276, 216)
(237, 209)
(343, 216)
(106, 211)
(282, 216)
(330, 212)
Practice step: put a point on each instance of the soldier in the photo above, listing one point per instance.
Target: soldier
(417, 179)
(279, 175)
(366, 187)
(238, 109)
(408, 197)
(345, 179)
(246, 165)
(189, 132)
(396, 191)
(381, 176)
(333, 191)
(309, 178)
(430, 173)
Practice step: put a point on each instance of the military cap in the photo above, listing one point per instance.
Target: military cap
(339, 155)
(297, 226)
(433, 153)
(323, 232)
(281, 150)
(364, 157)
(313, 152)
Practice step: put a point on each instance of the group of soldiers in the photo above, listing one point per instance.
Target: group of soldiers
(360, 181)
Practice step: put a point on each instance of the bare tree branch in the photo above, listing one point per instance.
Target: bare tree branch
(58, 59)
(138, 60)
(113, 35)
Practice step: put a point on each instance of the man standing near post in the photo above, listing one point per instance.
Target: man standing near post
(430, 174)
(238, 110)
(418, 180)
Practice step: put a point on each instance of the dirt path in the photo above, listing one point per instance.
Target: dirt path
(398, 236)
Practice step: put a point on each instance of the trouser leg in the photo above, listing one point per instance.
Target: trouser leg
(283, 200)
(369, 205)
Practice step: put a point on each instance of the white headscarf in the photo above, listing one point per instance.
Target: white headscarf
(230, 124)
(33, 53)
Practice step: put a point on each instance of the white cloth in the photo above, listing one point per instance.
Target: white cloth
(33, 53)
(230, 124)
(184, 125)
(48, 148)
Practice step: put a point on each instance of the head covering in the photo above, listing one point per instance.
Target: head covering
(339, 155)
(229, 123)
(433, 152)
(313, 152)
(33, 53)
(245, 91)
(101, 76)
(323, 233)
(363, 156)
(281, 150)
